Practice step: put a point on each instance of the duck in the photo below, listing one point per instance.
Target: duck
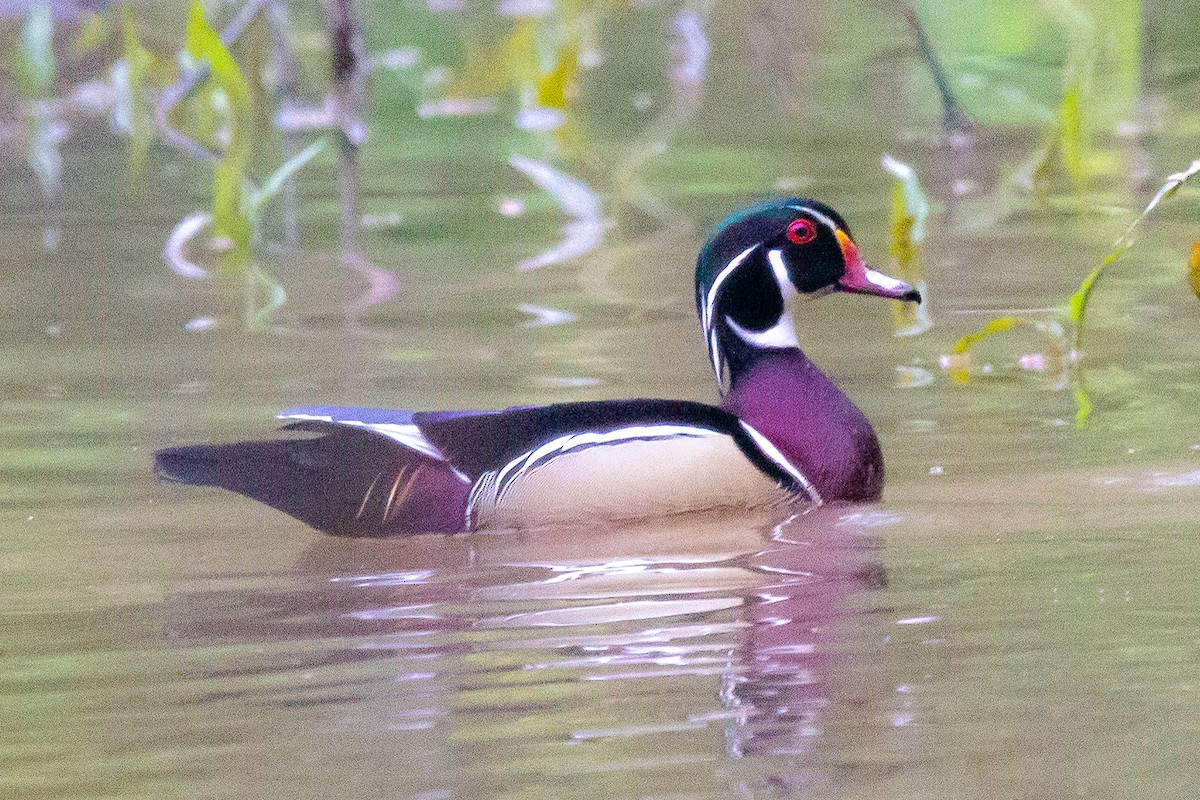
(782, 434)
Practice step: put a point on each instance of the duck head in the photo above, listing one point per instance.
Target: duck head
(758, 261)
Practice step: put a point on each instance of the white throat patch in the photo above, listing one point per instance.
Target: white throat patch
(780, 335)
(783, 332)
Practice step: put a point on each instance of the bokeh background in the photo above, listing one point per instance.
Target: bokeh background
(213, 212)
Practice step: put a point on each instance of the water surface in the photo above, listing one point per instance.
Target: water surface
(1017, 618)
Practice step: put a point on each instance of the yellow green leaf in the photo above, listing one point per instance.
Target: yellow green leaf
(910, 208)
(958, 360)
(140, 62)
(1072, 140)
(998, 325)
(92, 34)
(522, 53)
(204, 44)
(902, 247)
(1083, 406)
(557, 87)
(37, 66)
(231, 219)
(275, 181)
(1194, 268)
(486, 70)
(1079, 300)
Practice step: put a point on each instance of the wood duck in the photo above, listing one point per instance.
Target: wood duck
(782, 433)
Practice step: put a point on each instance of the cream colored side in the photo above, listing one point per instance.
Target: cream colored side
(630, 481)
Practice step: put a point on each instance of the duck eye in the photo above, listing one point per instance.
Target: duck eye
(802, 231)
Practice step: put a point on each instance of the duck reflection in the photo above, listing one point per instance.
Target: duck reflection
(467, 630)
(818, 569)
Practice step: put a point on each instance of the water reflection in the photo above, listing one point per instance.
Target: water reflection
(758, 617)
(584, 232)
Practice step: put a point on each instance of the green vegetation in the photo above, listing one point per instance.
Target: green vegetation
(1074, 311)
(231, 213)
(236, 99)
(910, 210)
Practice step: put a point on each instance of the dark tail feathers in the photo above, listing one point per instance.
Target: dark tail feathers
(345, 482)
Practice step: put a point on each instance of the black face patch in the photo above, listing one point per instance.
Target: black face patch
(815, 264)
(750, 296)
(812, 264)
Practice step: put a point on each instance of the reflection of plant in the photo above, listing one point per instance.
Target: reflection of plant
(910, 208)
(1052, 361)
(203, 107)
(1075, 310)
(1070, 136)
(217, 88)
(252, 202)
(539, 60)
(36, 69)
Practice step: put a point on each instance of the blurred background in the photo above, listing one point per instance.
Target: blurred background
(214, 211)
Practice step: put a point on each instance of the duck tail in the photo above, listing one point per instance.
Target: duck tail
(345, 482)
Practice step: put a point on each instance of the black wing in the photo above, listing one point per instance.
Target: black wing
(478, 441)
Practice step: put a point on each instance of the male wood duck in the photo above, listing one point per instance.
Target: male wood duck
(783, 432)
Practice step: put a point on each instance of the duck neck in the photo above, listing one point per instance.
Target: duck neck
(787, 399)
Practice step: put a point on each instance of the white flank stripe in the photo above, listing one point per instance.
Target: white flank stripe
(772, 452)
(408, 435)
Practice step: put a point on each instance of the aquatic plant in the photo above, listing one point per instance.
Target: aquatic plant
(910, 210)
(230, 211)
(1073, 313)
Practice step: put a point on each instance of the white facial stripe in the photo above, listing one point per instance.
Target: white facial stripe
(784, 281)
(782, 333)
(824, 220)
(710, 301)
(706, 315)
(714, 353)
(772, 452)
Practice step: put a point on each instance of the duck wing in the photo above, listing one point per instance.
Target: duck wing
(474, 443)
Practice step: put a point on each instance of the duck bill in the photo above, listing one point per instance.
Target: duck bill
(861, 279)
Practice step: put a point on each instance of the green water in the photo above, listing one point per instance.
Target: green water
(1017, 618)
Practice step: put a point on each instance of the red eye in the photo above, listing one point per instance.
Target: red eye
(802, 231)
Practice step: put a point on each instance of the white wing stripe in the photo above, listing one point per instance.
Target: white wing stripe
(408, 435)
(772, 452)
